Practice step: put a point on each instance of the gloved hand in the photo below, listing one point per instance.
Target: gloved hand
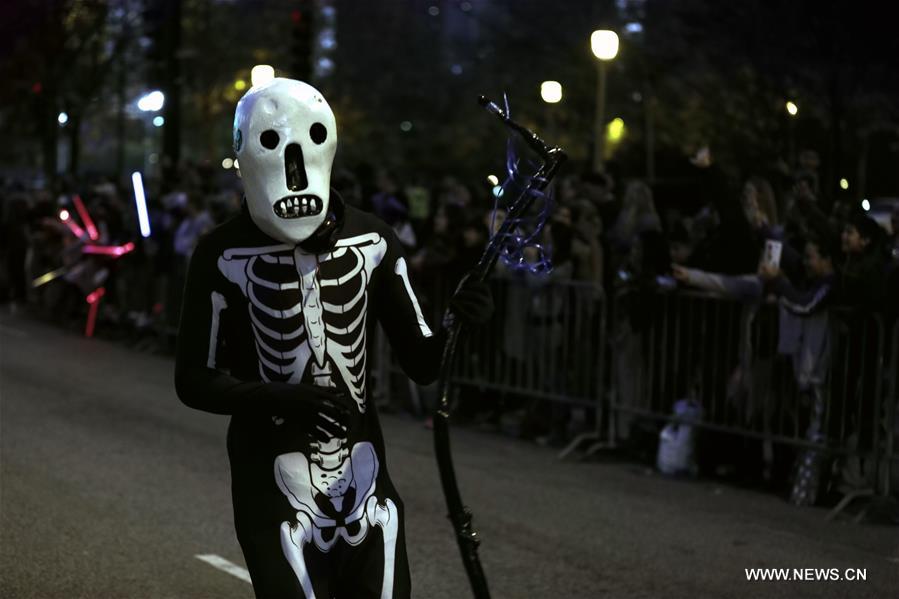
(318, 412)
(472, 303)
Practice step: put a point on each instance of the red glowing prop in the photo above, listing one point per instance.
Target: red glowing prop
(95, 295)
(85, 218)
(109, 250)
(93, 300)
(77, 231)
(115, 251)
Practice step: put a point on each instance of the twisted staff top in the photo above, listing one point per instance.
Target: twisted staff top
(532, 139)
(525, 228)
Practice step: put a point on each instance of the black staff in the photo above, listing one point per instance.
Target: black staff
(466, 536)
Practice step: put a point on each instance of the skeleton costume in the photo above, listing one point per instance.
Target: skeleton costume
(278, 308)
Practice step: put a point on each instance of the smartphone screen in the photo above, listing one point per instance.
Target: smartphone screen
(772, 252)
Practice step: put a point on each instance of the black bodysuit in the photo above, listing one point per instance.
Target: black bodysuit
(313, 518)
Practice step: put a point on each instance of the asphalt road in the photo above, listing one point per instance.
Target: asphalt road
(110, 488)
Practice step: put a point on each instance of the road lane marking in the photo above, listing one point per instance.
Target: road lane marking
(224, 565)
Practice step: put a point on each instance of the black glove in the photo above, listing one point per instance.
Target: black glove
(319, 412)
(472, 303)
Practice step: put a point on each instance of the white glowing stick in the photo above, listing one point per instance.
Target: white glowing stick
(141, 201)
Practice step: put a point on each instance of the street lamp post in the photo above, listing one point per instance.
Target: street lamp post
(604, 44)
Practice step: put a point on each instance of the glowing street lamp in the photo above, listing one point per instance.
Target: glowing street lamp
(261, 74)
(604, 44)
(615, 130)
(792, 109)
(551, 92)
(151, 102)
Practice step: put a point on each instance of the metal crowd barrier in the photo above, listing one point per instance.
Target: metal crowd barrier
(546, 342)
(830, 393)
(836, 394)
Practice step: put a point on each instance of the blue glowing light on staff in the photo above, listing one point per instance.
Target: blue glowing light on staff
(528, 228)
(140, 201)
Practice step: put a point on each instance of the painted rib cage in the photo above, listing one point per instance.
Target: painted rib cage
(306, 312)
(275, 315)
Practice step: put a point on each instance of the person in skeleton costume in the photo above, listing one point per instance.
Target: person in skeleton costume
(279, 305)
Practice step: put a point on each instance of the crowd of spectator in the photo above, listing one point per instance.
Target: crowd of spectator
(605, 234)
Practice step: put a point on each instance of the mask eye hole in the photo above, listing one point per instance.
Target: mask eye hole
(269, 139)
(318, 133)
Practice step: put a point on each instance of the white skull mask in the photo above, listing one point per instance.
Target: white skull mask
(285, 137)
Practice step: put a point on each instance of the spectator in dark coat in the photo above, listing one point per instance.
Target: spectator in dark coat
(860, 277)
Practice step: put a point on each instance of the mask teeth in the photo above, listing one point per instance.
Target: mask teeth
(298, 207)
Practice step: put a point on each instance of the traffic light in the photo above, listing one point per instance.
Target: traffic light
(302, 40)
